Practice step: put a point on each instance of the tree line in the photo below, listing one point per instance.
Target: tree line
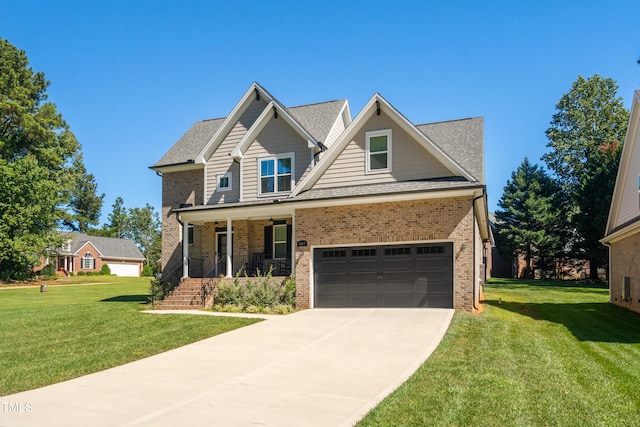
(547, 217)
(44, 184)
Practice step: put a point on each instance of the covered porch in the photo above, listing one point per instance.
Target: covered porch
(219, 242)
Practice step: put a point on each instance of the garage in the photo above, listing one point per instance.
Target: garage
(416, 275)
(124, 269)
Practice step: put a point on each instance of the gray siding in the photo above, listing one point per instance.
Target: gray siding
(276, 138)
(220, 162)
(410, 161)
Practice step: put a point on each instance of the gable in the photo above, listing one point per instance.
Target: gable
(625, 204)
(409, 160)
(220, 162)
(276, 138)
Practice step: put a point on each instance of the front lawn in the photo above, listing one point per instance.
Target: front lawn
(74, 330)
(542, 354)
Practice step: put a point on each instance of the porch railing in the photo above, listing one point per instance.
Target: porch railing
(251, 265)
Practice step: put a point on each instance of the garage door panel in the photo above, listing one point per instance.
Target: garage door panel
(418, 275)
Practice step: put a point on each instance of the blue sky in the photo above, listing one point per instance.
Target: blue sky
(130, 77)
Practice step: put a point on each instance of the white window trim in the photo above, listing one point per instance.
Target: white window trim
(219, 177)
(275, 171)
(371, 134)
(88, 257)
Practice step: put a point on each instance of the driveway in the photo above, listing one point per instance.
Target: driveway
(319, 367)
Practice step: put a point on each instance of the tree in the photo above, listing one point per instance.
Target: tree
(530, 216)
(118, 220)
(36, 155)
(85, 204)
(144, 226)
(585, 138)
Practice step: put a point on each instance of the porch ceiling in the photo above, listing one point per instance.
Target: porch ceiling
(257, 212)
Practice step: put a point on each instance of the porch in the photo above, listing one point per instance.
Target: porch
(217, 247)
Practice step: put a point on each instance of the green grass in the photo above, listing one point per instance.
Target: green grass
(71, 330)
(542, 354)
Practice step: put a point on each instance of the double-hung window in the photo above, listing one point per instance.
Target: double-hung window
(280, 241)
(379, 151)
(276, 174)
(88, 262)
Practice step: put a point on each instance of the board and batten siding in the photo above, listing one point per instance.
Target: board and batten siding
(277, 137)
(410, 160)
(221, 162)
(630, 202)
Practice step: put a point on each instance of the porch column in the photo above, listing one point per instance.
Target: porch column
(185, 250)
(229, 248)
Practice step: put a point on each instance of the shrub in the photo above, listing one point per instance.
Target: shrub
(262, 295)
(48, 270)
(147, 271)
(105, 270)
(81, 273)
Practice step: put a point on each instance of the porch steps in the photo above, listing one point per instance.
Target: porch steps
(186, 296)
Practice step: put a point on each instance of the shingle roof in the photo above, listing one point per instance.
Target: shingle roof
(385, 188)
(109, 247)
(462, 139)
(318, 119)
(191, 143)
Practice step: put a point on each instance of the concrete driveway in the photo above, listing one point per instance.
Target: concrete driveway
(319, 367)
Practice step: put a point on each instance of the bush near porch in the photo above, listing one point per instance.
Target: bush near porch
(260, 294)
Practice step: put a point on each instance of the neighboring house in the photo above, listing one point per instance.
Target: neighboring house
(81, 252)
(622, 234)
(374, 211)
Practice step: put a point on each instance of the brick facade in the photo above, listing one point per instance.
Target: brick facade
(412, 221)
(178, 188)
(625, 261)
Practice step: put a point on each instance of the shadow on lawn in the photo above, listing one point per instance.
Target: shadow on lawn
(127, 298)
(600, 322)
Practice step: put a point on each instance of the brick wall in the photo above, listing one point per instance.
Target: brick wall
(449, 219)
(77, 261)
(625, 261)
(177, 188)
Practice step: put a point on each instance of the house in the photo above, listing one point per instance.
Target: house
(622, 234)
(373, 211)
(83, 253)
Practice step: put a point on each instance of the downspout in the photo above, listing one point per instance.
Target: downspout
(473, 209)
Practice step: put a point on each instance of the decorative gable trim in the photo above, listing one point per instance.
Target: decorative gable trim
(375, 104)
(272, 111)
(255, 91)
(623, 170)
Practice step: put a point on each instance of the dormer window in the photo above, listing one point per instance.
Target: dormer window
(276, 174)
(66, 246)
(378, 151)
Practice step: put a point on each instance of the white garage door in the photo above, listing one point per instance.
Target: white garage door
(124, 269)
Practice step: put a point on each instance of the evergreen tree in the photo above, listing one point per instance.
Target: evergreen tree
(530, 218)
(585, 138)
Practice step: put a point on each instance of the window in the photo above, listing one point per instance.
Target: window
(379, 151)
(190, 234)
(88, 262)
(66, 246)
(224, 182)
(280, 241)
(276, 174)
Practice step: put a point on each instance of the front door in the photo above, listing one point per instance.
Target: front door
(221, 259)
